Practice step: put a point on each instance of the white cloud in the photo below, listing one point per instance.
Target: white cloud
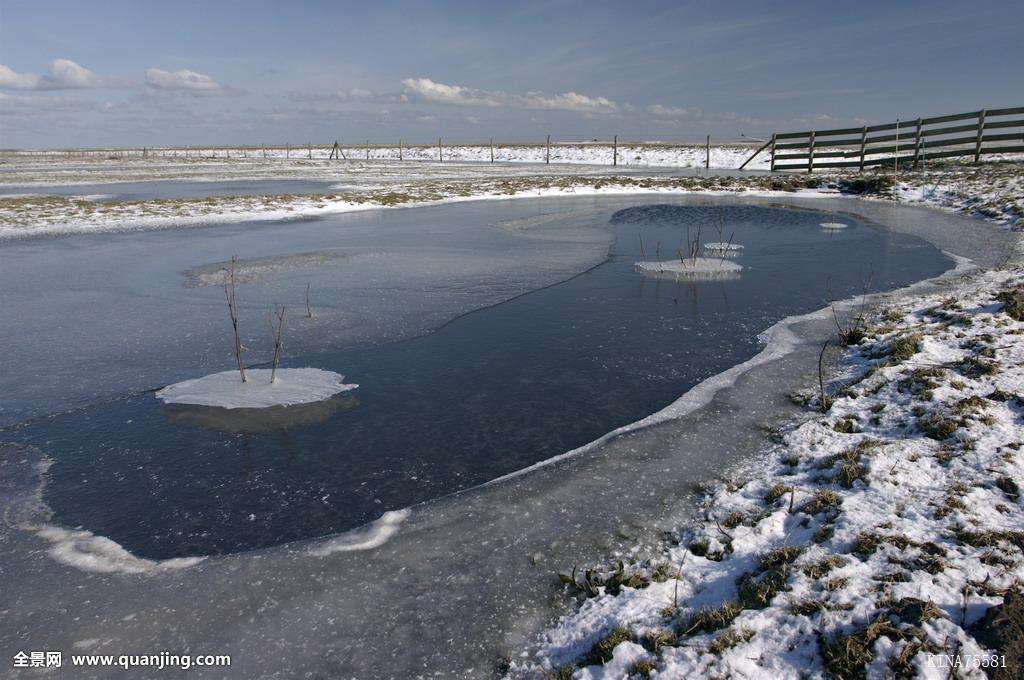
(450, 94)
(467, 96)
(64, 75)
(673, 111)
(183, 80)
(18, 81)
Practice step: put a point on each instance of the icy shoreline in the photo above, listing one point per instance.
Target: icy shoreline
(925, 415)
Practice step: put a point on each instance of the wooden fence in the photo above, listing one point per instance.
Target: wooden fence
(905, 142)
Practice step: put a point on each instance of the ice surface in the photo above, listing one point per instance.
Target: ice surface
(374, 277)
(226, 389)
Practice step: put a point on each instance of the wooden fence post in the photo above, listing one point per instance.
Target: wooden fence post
(810, 155)
(287, 150)
(771, 167)
(367, 149)
(863, 147)
(615, 150)
(400, 150)
(440, 156)
(917, 144)
(547, 150)
(981, 132)
(707, 153)
(754, 155)
(896, 154)
(309, 146)
(492, 149)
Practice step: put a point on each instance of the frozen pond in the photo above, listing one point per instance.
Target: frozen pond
(447, 399)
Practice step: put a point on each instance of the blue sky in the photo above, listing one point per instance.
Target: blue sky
(231, 72)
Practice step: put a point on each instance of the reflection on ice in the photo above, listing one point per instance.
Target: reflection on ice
(259, 420)
(258, 268)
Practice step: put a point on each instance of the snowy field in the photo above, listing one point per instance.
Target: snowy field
(993, 190)
(729, 156)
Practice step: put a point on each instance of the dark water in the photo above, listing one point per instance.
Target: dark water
(487, 394)
(147, 191)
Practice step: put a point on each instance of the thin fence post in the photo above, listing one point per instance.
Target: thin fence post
(287, 150)
(810, 155)
(367, 149)
(492, 149)
(863, 147)
(771, 167)
(309, 146)
(615, 150)
(917, 144)
(440, 155)
(547, 150)
(981, 132)
(400, 150)
(707, 154)
(896, 154)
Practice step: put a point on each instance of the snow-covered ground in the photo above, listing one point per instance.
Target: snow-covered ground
(993, 190)
(593, 153)
(871, 540)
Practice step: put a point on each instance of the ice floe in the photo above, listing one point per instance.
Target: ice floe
(691, 268)
(226, 389)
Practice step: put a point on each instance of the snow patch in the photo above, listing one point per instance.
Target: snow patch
(226, 390)
(89, 552)
(833, 225)
(372, 536)
(694, 268)
(716, 246)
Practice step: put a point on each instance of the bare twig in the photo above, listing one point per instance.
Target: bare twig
(276, 333)
(309, 307)
(229, 293)
(821, 379)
